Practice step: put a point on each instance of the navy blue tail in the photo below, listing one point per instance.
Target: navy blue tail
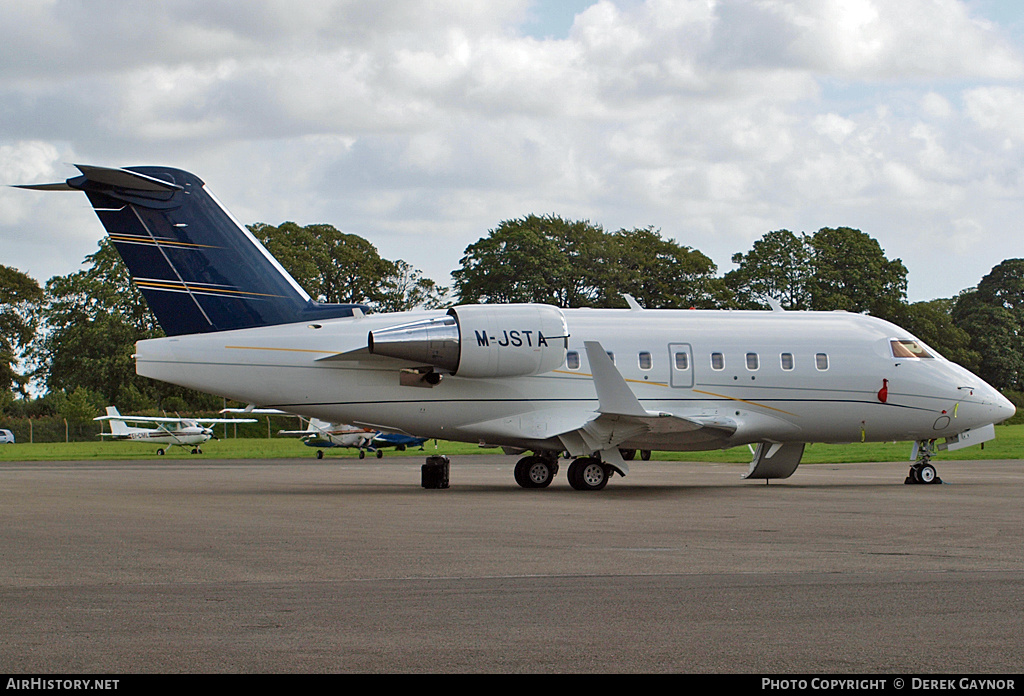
(198, 268)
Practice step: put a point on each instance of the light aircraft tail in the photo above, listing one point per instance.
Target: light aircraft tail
(199, 269)
(117, 427)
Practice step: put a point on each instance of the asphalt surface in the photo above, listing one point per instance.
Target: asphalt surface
(340, 565)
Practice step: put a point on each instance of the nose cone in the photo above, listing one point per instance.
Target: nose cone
(1004, 408)
(979, 398)
(994, 407)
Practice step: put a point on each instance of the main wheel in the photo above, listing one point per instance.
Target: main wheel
(589, 474)
(534, 472)
(380, 453)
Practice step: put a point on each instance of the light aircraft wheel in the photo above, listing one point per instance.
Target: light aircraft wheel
(362, 454)
(588, 474)
(320, 454)
(628, 454)
(160, 452)
(380, 453)
(645, 455)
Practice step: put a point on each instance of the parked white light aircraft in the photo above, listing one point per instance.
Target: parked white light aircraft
(322, 435)
(528, 377)
(180, 432)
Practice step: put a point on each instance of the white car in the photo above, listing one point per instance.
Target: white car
(6, 436)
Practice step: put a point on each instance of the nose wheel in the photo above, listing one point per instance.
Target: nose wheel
(922, 470)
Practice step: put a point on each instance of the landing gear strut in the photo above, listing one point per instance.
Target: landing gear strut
(922, 470)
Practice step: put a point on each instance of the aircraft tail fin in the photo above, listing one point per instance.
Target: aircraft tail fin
(117, 427)
(199, 269)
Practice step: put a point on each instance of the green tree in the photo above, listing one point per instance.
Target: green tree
(659, 273)
(20, 296)
(778, 266)
(851, 272)
(992, 314)
(533, 259)
(330, 265)
(570, 263)
(406, 288)
(1003, 286)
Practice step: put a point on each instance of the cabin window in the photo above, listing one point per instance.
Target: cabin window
(821, 361)
(717, 361)
(787, 361)
(909, 349)
(572, 360)
(682, 361)
(752, 361)
(645, 360)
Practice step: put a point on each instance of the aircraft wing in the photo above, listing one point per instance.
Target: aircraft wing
(619, 417)
(140, 419)
(168, 419)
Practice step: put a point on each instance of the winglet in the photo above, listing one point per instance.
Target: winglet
(613, 394)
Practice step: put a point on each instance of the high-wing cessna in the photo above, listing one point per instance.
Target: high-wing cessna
(324, 435)
(180, 432)
(533, 378)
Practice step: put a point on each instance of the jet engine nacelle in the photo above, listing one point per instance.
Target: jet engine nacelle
(481, 341)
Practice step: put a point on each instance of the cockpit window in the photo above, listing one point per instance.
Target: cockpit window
(908, 349)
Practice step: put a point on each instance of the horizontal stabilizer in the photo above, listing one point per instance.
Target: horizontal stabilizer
(62, 186)
(107, 177)
(125, 179)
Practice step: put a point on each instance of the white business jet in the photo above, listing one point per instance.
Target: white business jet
(179, 432)
(532, 378)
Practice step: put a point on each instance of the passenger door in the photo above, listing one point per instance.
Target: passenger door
(680, 361)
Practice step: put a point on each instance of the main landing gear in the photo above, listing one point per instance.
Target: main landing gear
(536, 471)
(585, 473)
(922, 470)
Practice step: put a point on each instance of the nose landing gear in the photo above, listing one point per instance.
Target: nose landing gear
(922, 470)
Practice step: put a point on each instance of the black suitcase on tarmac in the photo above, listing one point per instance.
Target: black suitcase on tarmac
(434, 473)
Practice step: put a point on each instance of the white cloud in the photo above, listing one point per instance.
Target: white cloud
(421, 124)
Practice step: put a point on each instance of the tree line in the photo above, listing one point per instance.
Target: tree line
(72, 339)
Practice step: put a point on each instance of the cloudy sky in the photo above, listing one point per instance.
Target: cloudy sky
(422, 124)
